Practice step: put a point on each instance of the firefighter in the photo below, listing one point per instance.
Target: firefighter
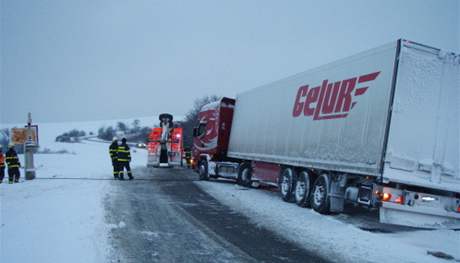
(13, 163)
(113, 156)
(2, 164)
(123, 159)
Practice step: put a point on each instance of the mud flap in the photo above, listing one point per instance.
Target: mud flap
(337, 194)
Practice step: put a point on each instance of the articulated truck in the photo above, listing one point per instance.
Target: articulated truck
(379, 129)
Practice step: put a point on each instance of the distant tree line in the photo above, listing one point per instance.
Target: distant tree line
(71, 136)
(133, 132)
(136, 133)
(106, 133)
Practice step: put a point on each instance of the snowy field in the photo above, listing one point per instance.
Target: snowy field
(334, 237)
(59, 217)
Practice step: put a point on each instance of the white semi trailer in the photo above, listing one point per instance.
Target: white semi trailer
(379, 129)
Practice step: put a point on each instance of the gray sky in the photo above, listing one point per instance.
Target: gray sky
(94, 59)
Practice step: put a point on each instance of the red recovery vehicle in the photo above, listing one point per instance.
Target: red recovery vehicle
(165, 146)
(378, 129)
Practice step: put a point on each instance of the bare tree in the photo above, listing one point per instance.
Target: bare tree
(121, 126)
(136, 126)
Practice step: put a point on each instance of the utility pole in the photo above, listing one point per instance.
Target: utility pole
(29, 148)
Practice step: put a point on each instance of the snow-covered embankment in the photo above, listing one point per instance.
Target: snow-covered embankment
(59, 217)
(333, 238)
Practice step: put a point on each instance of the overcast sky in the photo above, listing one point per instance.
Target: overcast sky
(94, 59)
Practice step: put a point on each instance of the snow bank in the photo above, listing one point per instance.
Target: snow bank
(53, 221)
(332, 238)
(59, 217)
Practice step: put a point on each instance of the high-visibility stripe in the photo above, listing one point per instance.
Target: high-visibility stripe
(123, 160)
(123, 151)
(9, 158)
(13, 166)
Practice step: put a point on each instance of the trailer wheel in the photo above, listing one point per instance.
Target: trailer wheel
(286, 184)
(319, 200)
(302, 189)
(203, 170)
(245, 175)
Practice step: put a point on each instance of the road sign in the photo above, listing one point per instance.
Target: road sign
(21, 136)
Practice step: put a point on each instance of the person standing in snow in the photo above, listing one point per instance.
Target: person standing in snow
(113, 156)
(13, 163)
(2, 164)
(123, 159)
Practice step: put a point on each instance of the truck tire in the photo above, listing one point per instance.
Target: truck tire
(302, 189)
(286, 183)
(245, 175)
(319, 200)
(203, 170)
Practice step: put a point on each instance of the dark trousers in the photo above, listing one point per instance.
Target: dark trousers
(115, 169)
(2, 173)
(14, 174)
(121, 169)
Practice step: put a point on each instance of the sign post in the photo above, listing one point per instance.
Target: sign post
(30, 144)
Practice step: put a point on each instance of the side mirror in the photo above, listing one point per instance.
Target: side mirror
(195, 132)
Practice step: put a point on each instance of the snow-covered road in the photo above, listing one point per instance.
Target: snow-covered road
(339, 237)
(74, 212)
(166, 218)
(59, 216)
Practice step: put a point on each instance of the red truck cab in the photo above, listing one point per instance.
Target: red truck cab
(211, 137)
(210, 145)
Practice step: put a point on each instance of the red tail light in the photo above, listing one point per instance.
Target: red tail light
(386, 197)
(458, 209)
(399, 200)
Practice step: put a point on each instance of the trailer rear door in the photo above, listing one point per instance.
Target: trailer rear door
(423, 141)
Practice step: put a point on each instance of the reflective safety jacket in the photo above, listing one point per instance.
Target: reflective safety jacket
(12, 159)
(2, 160)
(113, 151)
(123, 153)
